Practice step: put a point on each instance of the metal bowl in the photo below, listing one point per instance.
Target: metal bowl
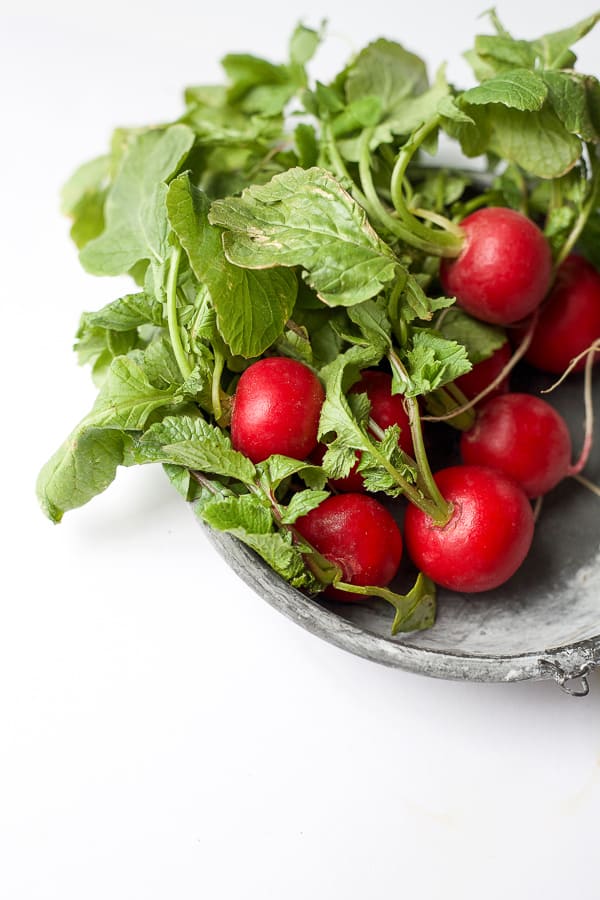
(543, 623)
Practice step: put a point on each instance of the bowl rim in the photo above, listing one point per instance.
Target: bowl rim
(569, 665)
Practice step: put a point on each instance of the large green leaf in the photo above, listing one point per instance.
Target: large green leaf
(386, 70)
(252, 307)
(87, 461)
(536, 141)
(82, 467)
(304, 217)
(136, 220)
(194, 443)
(575, 99)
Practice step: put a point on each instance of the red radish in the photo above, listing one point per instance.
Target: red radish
(386, 409)
(358, 534)
(487, 538)
(569, 319)
(504, 268)
(522, 436)
(484, 372)
(276, 409)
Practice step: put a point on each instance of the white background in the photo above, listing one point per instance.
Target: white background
(164, 733)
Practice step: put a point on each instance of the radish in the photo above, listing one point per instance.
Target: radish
(504, 268)
(569, 320)
(276, 409)
(484, 372)
(386, 409)
(358, 534)
(522, 436)
(486, 538)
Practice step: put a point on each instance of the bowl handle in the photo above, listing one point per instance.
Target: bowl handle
(570, 672)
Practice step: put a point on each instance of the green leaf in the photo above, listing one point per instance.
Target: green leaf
(500, 53)
(252, 307)
(386, 70)
(193, 442)
(160, 364)
(307, 147)
(82, 467)
(127, 397)
(395, 83)
(449, 109)
(246, 519)
(554, 48)
(571, 96)
(246, 72)
(136, 222)
(479, 338)
(432, 362)
(231, 130)
(301, 504)
(83, 197)
(364, 112)
(413, 303)
(295, 344)
(183, 482)
(346, 417)
(416, 610)
(517, 89)
(304, 43)
(98, 346)
(327, 99)
(337, 415)
(411, 113)
(90, 178)
(245, 512)
(536, 141)
(375, 476)
(276, 469)
(126, 313)
(281, 555)
(371, 317)
(305, 218)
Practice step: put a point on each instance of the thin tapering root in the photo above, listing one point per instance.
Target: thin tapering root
(586, 483)
(589, 352)
(588, 427)
(537, 508)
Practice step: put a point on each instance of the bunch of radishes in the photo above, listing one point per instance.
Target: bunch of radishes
(518, 448)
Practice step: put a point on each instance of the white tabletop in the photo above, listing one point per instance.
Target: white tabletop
(165, 733)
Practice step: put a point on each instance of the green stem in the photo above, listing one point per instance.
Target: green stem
(585, 211)
(216, 386)
(412, 493)
(445, 400)
(442, 509)
(379, 433)
(174, 334)
(442, 243)
(414, 610)
(339, 166)
(487, 198)
(375, 207)
(438, 219)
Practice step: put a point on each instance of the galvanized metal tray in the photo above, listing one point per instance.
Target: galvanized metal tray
(543, 623)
